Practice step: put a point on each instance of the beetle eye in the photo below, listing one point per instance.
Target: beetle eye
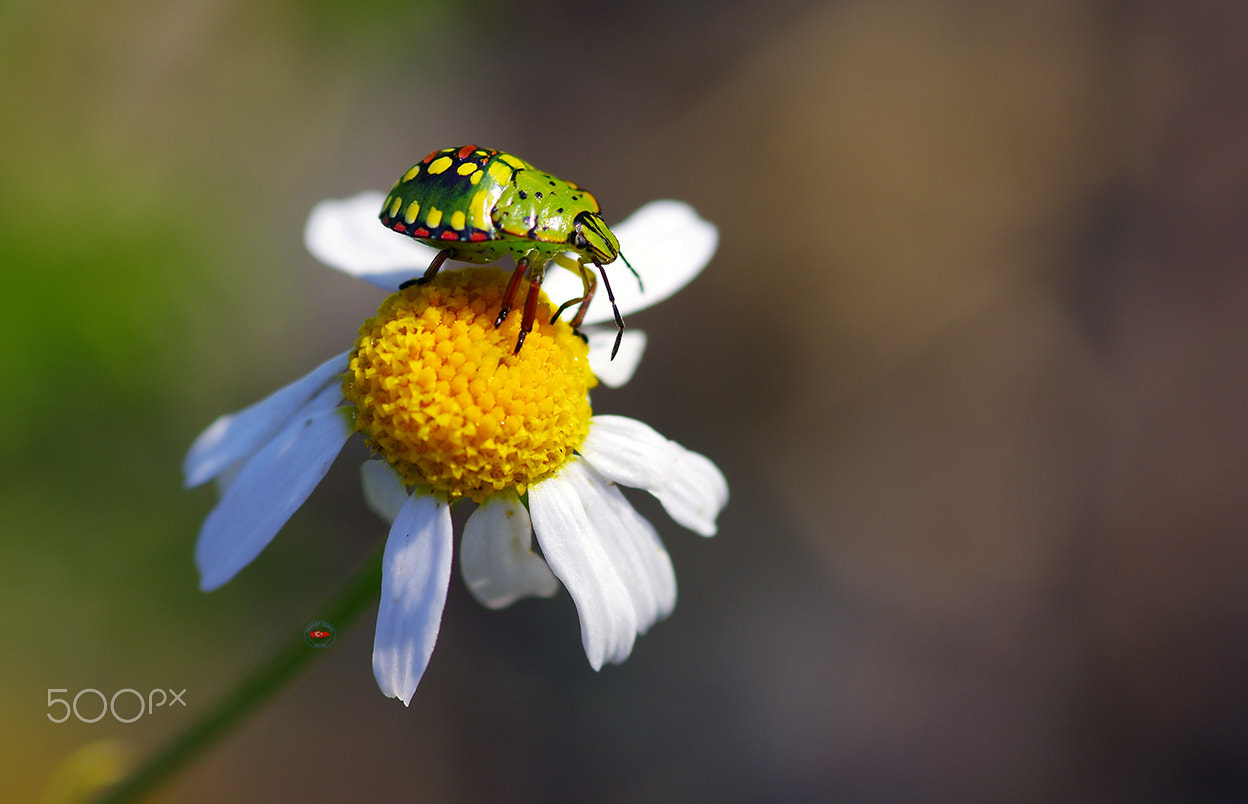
(593, 236)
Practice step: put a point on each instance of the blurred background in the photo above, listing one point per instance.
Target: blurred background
(971, 354)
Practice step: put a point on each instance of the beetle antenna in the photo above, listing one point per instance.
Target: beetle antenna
(619, 322)
(640, 285)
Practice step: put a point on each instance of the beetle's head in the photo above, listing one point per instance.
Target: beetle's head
(595, 239)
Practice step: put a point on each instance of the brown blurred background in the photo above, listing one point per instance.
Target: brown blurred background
(971, 354)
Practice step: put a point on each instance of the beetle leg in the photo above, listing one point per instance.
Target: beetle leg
(530, 306)
(509, 296)
(432, 271)
(589, 284)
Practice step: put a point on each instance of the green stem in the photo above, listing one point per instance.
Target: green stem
(355, 596)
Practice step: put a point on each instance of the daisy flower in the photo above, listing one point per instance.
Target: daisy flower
(451, 414)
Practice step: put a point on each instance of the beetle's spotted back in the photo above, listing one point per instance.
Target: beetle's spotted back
(450, 194)
(470, 195)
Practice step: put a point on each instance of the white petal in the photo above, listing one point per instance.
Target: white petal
(631, 542)
(235, 436)
(383, 491)
(691, 488)
(269, 488)
(226, 477)
(345, 233)
(415, 573)
(617, 372)
(665, 242)
(573, 548)
(496, 555)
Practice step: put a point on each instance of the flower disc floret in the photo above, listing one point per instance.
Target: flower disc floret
(440, 393)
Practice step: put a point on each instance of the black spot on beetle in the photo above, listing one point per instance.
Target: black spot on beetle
(560, 210)
(523, 195)
(539, 195)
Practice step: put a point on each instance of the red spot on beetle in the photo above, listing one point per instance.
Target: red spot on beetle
(449, 236)
(466, 151)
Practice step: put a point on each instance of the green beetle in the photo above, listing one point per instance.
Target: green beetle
(477, 204)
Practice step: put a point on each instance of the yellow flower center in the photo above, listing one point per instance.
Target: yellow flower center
(439, 393)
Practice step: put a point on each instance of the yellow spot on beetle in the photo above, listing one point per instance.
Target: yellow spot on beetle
(395, 203)
(476, 209)
(475, 178)
(413, 173)
(500, 172)
(465, 168)
(457, 220)
(440, 164)
(433, 218)
(409, 214)
(515, 161)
